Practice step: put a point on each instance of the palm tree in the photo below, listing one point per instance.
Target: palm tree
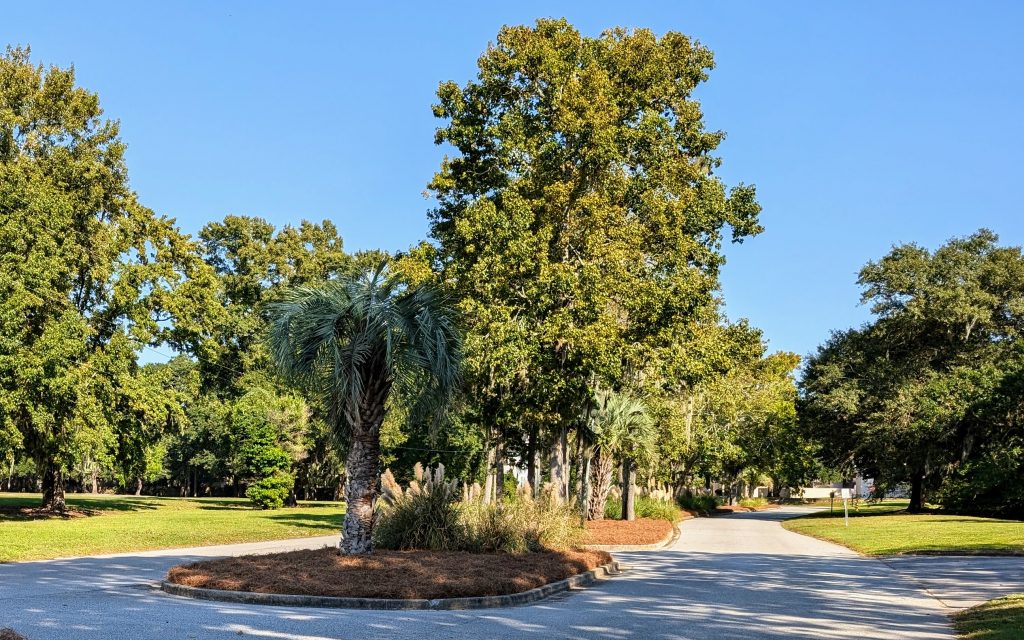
(618, 427)
(353, 341)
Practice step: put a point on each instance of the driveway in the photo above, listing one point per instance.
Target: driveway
(740, 576)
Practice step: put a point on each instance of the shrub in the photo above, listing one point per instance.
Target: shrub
(753, 503)
(270, 492)
(424, 516)
(645, 507)
(702, 504)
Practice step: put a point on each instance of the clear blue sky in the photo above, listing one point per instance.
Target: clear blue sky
(862, 124)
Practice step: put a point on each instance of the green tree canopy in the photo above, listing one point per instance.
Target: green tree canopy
(909, 396)
(87, 274)
(580, 218)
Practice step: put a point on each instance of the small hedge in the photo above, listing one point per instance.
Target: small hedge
(702, 504)
(645, 507)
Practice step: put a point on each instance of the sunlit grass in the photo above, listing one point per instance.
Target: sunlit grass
(128, 523)
(886, 529)
(1001, 619)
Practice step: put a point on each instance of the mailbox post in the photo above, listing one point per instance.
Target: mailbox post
(846, 494)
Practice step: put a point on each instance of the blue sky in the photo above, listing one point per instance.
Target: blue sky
(863, 124)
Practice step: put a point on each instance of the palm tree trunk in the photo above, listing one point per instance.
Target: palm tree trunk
(601, 468)
(363, 472)
(560, 464)
(628, 490)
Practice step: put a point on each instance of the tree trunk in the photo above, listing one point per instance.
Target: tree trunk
(916, 493)
(95, 477)
(489, 478)
(363, 470)
(628, 493)
(532, 477)
(293, 499)
(138, 486)
(560, 464)
(586, 490)
(499, 472)
(53, 489)
(601, 468)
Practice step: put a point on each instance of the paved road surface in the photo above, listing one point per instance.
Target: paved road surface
(740, 576)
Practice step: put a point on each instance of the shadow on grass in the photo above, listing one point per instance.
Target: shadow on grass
(236, 504)
(330, 522)
(825, 515)
(15, 507)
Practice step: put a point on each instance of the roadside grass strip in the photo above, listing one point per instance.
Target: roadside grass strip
(1000, 619)
(886, 529)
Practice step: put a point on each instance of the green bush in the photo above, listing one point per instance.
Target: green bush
(753, 503)
(645, 507)
(702, 504)
(270, 492)
(425, 516)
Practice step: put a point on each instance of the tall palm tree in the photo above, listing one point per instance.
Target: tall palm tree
(618, 427)
(355, 340)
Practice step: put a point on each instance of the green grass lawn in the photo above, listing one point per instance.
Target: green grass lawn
(1001, 619)
(886, 529)
(128, 523)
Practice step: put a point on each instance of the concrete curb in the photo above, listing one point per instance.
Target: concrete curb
(480, 602)
(665, 542)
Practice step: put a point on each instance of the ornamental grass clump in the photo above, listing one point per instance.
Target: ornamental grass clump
(523, 523)
(424, 516)
(434, 514)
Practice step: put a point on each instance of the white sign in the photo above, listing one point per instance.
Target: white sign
(846, 494)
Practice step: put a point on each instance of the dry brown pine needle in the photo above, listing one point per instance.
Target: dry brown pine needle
(388, 574)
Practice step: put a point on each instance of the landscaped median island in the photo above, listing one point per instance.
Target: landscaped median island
(103, 524)
(389, 574)
(1000, 619)
(886, 528)
(436, 539)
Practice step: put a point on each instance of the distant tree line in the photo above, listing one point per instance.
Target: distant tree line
(930, 394)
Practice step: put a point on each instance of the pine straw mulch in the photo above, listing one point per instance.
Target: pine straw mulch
(10, 634)
(641, 531)
(388, 574)
(735, 508)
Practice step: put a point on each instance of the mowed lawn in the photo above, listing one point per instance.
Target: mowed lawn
(886, 529)
(129, 523)
(1001, 619)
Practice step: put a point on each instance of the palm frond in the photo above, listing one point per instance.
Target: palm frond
(341, 337)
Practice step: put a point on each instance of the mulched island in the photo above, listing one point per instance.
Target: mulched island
(735, 508)
(388, 574)
(641, 531)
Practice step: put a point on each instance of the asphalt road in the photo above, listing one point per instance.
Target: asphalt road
(741, 576)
